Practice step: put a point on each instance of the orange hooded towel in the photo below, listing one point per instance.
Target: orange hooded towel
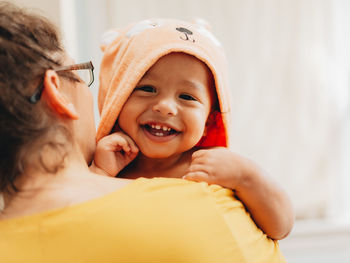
(130, 52)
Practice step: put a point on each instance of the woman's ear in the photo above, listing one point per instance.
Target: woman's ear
(56, 99)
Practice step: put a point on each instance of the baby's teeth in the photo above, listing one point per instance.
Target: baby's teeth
(159, 127)
(159, 134)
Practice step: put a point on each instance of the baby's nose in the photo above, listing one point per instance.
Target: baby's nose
(166, 107)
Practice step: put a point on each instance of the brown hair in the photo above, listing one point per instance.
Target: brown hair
(28, 43)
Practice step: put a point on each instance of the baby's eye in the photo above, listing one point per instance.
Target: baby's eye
(146, 88)
(187, 97)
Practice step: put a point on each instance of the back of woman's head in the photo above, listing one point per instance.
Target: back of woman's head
(28, 44)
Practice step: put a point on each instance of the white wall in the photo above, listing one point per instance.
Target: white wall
(49, 8)
(318, 241)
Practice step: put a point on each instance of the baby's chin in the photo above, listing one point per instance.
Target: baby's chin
(159, 154)
(165, 153)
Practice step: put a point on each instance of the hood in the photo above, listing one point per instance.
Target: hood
(128, 53)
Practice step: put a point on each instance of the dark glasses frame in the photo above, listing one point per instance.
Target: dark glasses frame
(87, 65)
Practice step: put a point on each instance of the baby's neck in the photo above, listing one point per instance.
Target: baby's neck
(172, 167)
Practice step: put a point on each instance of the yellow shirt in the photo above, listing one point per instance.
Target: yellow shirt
(149, 220)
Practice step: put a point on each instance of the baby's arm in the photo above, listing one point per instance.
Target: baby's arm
(268, 204)
(113, 153)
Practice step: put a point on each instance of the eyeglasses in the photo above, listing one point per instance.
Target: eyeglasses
(85, 72)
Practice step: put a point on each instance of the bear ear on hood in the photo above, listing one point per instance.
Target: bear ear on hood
(201, 22)
(204, 28)
(107, 38)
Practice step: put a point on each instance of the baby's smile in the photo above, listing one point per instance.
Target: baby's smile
(159, 130)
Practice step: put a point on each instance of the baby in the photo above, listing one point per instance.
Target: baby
(164, 107)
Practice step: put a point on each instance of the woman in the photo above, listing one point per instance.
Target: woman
(56, 210)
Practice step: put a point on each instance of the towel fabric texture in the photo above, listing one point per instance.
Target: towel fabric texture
(130, 52)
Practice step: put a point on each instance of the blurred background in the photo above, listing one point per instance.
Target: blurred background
(290, 83)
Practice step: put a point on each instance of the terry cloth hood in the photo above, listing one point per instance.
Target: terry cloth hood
(130, 52)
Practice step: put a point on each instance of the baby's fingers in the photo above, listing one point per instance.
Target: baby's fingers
(131, 144)
(124, 146)
(120, 141)
(112, 142)
(198, 176)
(200, 157)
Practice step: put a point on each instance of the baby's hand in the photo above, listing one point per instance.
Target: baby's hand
(268, 204)
(113, 153)
(216, 166)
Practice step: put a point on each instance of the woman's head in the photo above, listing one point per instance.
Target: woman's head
(129, 53)
(30, 45)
